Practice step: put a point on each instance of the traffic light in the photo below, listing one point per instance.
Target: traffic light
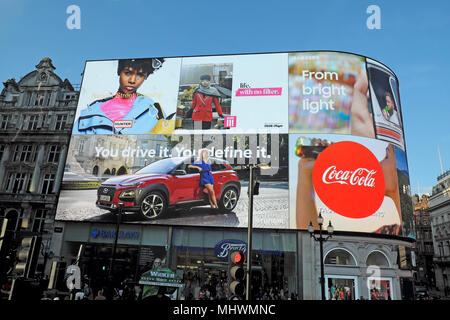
(53, 275)
(236, 274)
(28, 256)
(256, 188)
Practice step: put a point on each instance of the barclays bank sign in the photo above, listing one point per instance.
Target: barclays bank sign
(111, 234)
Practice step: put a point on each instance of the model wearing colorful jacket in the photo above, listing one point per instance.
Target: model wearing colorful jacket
(202, 101)
(127, 112)
(108, 116)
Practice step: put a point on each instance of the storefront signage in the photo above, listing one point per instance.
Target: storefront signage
(223, 248)
(111, 234)
(58, 229)
(161, 276)
(271, 252)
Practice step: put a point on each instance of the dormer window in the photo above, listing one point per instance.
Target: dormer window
(43, 77)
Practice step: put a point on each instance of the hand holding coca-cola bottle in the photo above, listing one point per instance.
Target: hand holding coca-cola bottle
(361, 122)
(389, 167)
(308, 149)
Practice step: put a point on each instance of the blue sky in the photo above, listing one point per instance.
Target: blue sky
(413, 41)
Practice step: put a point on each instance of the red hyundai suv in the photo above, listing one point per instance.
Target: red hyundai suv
(168, 183)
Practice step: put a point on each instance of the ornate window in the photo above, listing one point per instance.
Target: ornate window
(55, 152)
(376, 258)
(61, 120)
(39, 220)
(14, 218)
(48, 183)
(16, 180)
(2, 151)
(4, 121)
(81, 146)
(24, 153)
(30, 122)
(340, 257)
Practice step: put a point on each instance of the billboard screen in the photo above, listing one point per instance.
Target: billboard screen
(169, 141)
(156, 178)
(355, 182)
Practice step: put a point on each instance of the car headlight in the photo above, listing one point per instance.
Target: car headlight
(130, 184)
(128, 194)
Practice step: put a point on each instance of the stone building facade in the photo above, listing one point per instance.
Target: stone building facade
(36, 117)
(366, 267)
(424, 271)
(439, 210)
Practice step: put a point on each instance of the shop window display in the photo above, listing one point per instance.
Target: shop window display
(341, 289)
(380, 289)
(205, 275)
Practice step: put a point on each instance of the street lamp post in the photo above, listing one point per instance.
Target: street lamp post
(321, 239)
(116, 237)
(249, 232)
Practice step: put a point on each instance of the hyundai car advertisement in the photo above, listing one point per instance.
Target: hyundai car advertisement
(169, 141)
(165, 179)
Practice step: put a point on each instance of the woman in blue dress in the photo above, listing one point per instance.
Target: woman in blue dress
(203, 165)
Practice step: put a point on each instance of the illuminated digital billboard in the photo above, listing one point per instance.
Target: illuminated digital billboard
(168, 141)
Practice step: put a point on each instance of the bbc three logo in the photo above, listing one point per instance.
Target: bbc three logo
(230, 121)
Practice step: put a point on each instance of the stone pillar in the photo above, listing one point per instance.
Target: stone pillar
(27, 215)
(3, 161)
(37, 170)
(60, 172)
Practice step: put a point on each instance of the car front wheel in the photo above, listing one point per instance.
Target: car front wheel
(229, 199)
(153, 205)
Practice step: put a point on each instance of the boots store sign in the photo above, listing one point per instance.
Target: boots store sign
(223, 248)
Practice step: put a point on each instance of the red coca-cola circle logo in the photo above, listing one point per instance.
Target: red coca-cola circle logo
(349, 179)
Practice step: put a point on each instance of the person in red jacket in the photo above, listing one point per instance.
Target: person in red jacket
(204, 97)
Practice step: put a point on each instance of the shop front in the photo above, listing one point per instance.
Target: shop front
(90, 246)
(356, 267)
(197, 258)
(202, 255)
(380, 288)
(341, 287)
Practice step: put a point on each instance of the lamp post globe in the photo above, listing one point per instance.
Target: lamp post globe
(320, 219)
(311, 228)
(330, 228)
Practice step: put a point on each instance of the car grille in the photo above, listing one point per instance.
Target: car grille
(106, 190)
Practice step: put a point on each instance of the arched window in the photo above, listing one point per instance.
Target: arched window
(107, 172)
(113, 171)
(340, 257)
(14, 220)
(376, 258)
(95, 170)
(122, 170)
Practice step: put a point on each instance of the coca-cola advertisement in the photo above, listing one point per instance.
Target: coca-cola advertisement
(350, 181)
